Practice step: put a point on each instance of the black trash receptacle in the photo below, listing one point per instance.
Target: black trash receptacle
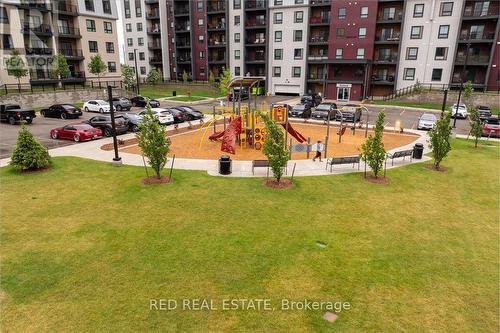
(418, 151)
(225, 165)
(174, 93)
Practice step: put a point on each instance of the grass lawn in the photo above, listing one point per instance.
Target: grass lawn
(187, 98)
(85, 247)
(162, 91)
(423, 105)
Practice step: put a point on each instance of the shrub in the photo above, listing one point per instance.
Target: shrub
(154, 76)
(372, 151)
(440, 139)
(275, 147)
(29, 154)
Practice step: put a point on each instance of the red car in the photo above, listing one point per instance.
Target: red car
(491, 127)
(76, 132)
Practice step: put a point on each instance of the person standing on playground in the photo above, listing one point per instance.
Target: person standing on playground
(319, 149)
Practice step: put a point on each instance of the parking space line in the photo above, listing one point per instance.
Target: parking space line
(402, 112)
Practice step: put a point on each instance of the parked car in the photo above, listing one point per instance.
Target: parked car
(427, 121)
(239, 95)
(322, 110)
(104, 123)
(13, 113)
(96, 105)
(313, 99)
(141, 101)
(349, 113)
(190, 113)
(63, 111)
(460, 111)
(178, 116)
(76, 132)
(134, 120)
(164, 116)
(491, 127)
(301, 111)
(122, 103)
(484, 112)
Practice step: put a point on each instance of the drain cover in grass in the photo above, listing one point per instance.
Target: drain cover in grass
(321, 244)
(330, 316)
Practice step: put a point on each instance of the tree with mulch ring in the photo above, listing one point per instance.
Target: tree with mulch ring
(373, 152)
(277, 153)
(154, 145)
(440, 140)
(29, 155)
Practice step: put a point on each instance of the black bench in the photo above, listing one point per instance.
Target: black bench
(342, 160)
(399, 154)
(260, 164)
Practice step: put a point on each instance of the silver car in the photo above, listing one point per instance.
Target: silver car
(427, 121)
(122, 103)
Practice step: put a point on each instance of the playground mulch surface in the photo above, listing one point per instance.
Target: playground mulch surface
(195, 143)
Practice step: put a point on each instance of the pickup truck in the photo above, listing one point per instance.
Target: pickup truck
(13, 113)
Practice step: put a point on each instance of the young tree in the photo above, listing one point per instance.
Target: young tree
(467, 94)
(185, 77)
(440, 139)
(16, 66)
(372, 151)
(476, 126)
(275, 147)
(153, 142)
(154, 76)
(29, 154)
(211, 79)
(61, 66)
(129, 77)
(224, 81)
(97, 66)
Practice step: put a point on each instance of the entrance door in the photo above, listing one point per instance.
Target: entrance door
(343, 94)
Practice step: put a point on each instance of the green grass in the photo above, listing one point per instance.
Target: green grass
(187, 98)
(162, 91)
(85, 246)
(423, 105)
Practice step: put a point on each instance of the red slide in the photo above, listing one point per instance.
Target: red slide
(229, 137)
(299, 137)
(216, 135)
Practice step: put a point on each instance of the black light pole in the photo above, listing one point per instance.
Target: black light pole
(136, 71)
(461, 84)
(117, 160)
(445, 97)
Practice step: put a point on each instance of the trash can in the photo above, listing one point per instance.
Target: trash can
(174, 93)
(225, 165)
(418, 151)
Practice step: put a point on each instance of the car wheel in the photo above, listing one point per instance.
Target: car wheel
(64, 116)
(189, 117)
(54, 135)
(12, 120)
(29, 121)
(118, 108)
(107, 132)
(134, 128)
(101, 110)
(42, 113)
(76, 138)
(86, 109)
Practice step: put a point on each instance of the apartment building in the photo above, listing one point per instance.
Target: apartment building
(41, 29)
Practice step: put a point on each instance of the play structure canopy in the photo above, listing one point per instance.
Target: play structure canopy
(245, 81)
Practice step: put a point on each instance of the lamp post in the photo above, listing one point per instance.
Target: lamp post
(117, 160)
(136, 71)
(461, 85)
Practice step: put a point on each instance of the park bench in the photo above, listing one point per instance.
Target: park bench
(259, 164)
(342, 160)
(399, 154)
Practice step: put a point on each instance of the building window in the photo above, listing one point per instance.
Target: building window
(108, 27)
(361, 32)
(130, 56)
(360, 54)
(237, 37)
(237, 71)
(142, 56)
(139, 26)
(128, 27)
(130, 42)
(237, 54)
(278, 54)
(199, 6)
(201, 55)
(296, 71)
(6, 42)
(201, 39)
(143, 70)
(297, 54)
(299, 17)
(340, 32)
(202, 71)
(127, 8)
(437, 73)
(278, 2)
(297, 35)
(278, 36)
(441, 53)
(237, 21)
(110, 47)
(364, 12)
(89, 5)
(416, 32)
(4, 18)
(140, 41)
(409, 74)
(106, 7)
(418, 10)
(342, 13)
(91, 26)
(339, 53)
(200, 22)
(446, 9)
(276, 71)
(444, 30)
(93, 46)
(278, 18)
(411, 53)
(236, 4)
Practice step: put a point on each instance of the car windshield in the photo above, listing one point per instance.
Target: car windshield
(462, 106)
(166, 113)
(323, 107)
(102, 102)
(83, 127)
(493, 121)
(299, 107)
(428, 117)
(68, 106)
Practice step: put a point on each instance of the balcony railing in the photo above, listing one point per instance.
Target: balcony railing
(217, 25)
(473, 59)
(74, 76)
(184, 58)
(183, 43)
(383, 78)
(71, 53)
(320, 2)
(36, 5)
(396, 17)
(154, 45)
(41, 29)
(63, 30)
(217, 42)
(390, 58)
(255, 41)
(183, 27)
(487, 35)
(251, 58)
(39, 51)
(181, 11)
(316, 75)
(216, 59)
(318, 39)
(259, 4)
(154, 30)
(153, 15)
(392, 37)
(256, 23)
(319, 20)
(42, 74)
(63, 6)
(317, 57)
(216, 7)
(492, 10)
(155, 60)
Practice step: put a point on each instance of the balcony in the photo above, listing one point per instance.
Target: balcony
(184, 58)
(389, 38)
(388, 18)
(183, 43)
(36, 51)
(255, 5)
(255, 59)
(318, 3)
(480, 60)
(256, 24)
(68, 32)
(214, 8)
(181, 11)
(477, 79)
(318, 40)
(155, 60)
(153, 15)
(383, 79)
(255, 42)
(182, 28)
(152, 2)
(317, 57)
(64, 8)
(72, 54)
(154, 31)
(41, 30)
(216, 26)
(486, 12)
(216, 60)
(33, 5)
(318, 20)
(74, 77)
(43, 76)
(389, 59)
(154, 45)
(316, 76)
(477, 37)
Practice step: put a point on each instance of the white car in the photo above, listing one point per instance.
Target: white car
(461, 112)
(427, 121)
(96, 105)
(164, 116)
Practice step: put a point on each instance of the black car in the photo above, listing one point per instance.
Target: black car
(13, 113)
(323, 110)
(63, 111)
(178, 116)
(141, 101)
(349, 113)
(104, 123)
(311, 99)
(240, 94)
(190, 113)
(301, 111)
(484, 112)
